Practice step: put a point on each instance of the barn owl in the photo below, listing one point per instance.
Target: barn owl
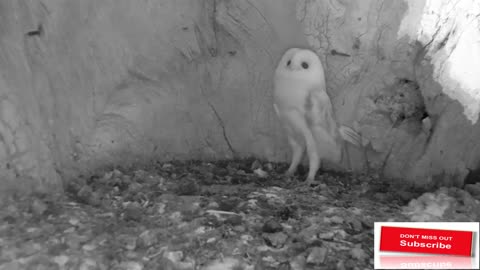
(305, 110)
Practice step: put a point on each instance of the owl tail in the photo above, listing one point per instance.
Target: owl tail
(350, 135)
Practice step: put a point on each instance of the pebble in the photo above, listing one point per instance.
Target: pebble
(341, 265)
(334, 219)
(227, 204)
(224, 264)
(73, 241)
(270, 261)
(473, 189)
(240, 228)
(147, 238)
(272, 226)
(276, 240)
(131, 265)
(95, 199)
(261, 173)
(84, 193)
(298, 263)
(73, 221)
(69, 230)
(133, 211)
(167, 166)
(326, 235)
(317, 255)
(88, 264)
(89, 247)
(358, 253)
(39, 207)
(269, 167)
(356, 225)
(161, 208)
(178, 260)
(405, 196)
(129, 242)
(61, 260)
(234, 220)
(256, 165)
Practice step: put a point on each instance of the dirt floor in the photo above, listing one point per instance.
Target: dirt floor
(222, 215)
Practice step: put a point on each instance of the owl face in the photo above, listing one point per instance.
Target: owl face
(301, 63)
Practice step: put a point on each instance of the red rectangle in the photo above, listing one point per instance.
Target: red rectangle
(432, 241)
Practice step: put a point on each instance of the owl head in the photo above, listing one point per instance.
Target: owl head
(300, 63)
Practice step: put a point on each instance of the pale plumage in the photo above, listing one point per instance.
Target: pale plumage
(305, 110)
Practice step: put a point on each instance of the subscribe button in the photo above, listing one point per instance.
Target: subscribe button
(432, 241)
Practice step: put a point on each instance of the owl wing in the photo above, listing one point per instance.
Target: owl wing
(322, 119)
(319, 114)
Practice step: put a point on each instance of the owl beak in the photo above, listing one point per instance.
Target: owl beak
(290, 67)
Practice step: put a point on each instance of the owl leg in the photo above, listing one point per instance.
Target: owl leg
(298, 149)
(299, 123)
(313, 158)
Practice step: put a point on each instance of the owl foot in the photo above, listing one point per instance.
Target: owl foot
(289, 173)
(310, 181)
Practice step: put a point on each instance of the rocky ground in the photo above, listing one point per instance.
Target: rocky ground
(222, 215)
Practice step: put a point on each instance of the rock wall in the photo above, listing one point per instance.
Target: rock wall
(446, 67)
(404, 74)
(91, 83)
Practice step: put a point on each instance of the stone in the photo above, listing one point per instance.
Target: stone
(474, 190)
(130, 265)
(358, 253)
(272, 226)
(88, 264)
(225, 263)
(147, 238)
(133, 211)
(260, 173)
(317, 255)
(276, 240)
(39, 207)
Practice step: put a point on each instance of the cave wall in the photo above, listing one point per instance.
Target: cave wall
(404, 73)
(116, 82)
(446, 68)
(92, 83)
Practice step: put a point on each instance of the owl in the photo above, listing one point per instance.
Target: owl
(304, 108)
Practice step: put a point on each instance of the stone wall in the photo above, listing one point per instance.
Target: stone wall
(101, 82)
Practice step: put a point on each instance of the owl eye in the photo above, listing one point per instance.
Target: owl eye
(288, 63)
(304, 65)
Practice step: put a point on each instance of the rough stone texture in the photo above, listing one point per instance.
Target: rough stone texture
(446, 68)
(405, 74)
(27, 149)
(97, 82)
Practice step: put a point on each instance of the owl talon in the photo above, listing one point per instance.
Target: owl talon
(309, 181)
